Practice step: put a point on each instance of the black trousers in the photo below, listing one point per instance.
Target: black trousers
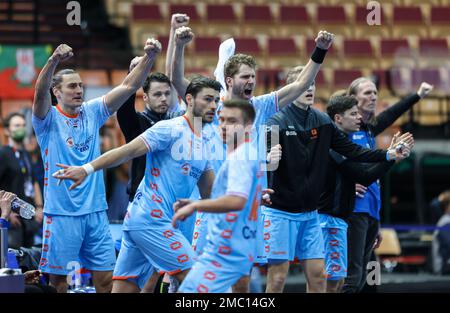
(361, 235)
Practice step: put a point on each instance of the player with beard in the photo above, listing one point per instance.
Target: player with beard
(240, 81)
(174, 166)
(76, 226)
(291, 222)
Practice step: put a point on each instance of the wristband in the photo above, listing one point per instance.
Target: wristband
(88, 168)
(4, 223)
(318, 55)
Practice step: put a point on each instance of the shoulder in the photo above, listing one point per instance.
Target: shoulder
(321, 116)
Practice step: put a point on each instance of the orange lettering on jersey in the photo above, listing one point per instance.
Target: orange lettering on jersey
(154, 186)
(168, 233)
(314, 133)
(156, 198)
(255, 205)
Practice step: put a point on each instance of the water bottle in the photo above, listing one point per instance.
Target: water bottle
(24, 209)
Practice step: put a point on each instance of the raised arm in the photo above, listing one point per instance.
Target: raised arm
(127, 116)
(109, 159)
(42, 99)
(290, 92)
(183, 36)
(391, 114)
(134, 80)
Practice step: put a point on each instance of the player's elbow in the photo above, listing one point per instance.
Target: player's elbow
(237, 203)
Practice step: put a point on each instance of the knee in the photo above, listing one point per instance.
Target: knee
(277, 281)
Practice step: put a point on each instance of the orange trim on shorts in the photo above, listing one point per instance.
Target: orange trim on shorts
(123, 277)
(170, 273)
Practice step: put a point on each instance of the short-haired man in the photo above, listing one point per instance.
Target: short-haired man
(76, 226)
(363, 223)
(174, 166)
(291, 222)
(337, 200)
(240, 81)
(233, 207)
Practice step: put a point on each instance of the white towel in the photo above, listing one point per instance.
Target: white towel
(226, 50)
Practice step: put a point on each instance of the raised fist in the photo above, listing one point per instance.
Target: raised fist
(424, 89)
(183, 35)
(62, 53)
(152, 48)
(134, 62)
(324, 40)
(178, 20)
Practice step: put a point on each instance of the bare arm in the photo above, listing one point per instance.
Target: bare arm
(289, 93)
(222, 204)
(42, 99)
(182, 37)
(134, 80)
(112, 158)
(205, 184)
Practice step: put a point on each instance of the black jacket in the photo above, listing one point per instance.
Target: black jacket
(338, 196)
(132, 124)
(306, 137)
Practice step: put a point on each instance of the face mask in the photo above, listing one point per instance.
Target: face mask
(19, 134)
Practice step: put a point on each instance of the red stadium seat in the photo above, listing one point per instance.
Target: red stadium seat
(401, 80)
(247, 45)
(331, 15)
(343, 78)
(281, 46)
(257, 13)
(294, 14)
(189, 9)
(433, 47)
(407, 15)
(361, 13)
(10, 106)
(408, 20)
(207, 45)
(164, 40)
(440, 22)
(146, 12)
(390, 47)
(362, 28)
(357, 47)
(220, 13)
(439, 15)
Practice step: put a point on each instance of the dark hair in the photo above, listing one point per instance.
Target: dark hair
(58, 77)
(340, 104)
(248, 111)
(155, 77)
(200, 82)
(233, 64)
(10, 116)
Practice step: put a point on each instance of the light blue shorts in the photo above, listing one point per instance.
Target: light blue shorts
(334, 232)
(200, 232)
(210, 276)
(142, 269)
(83, 240)
(289, 236)
(166, 249)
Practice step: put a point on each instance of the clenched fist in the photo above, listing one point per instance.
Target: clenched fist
(179, 20)
(183, 35)
(152, 48)
(324, 40)
(424, 89)
(62, 53)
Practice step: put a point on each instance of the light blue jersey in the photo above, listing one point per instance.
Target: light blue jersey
(72, 140)
(175, 162)
(265, 107)
(231, 245)
(231, 236)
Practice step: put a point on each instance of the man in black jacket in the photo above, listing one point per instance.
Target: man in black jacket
(291, 223)
(364, 221)
(338, 197)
